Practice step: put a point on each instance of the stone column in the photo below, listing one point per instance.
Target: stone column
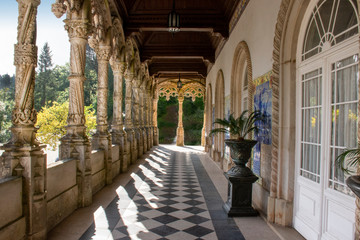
(137, 130)
(143, 116)
(180, 128)
(149, 119)
(203, 139)
(131, 146)
(102, 137)
(155, 123)
(118, 133)
(23, 156)
(147, 123)
(75, 144)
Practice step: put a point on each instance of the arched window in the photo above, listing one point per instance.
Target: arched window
(241, 79)
(331, 22)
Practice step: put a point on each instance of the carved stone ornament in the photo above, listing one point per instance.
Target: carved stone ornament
(60, 7)
(101, 19)
(25, 54)
(169, 89)
(77, 28)
(193, 90)
(76, 119)
(24, 117)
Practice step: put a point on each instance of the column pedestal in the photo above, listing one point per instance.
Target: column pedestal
(239, 196)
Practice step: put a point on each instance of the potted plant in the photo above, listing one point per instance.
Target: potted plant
(240, 177)
(350, 158)
(240, 148)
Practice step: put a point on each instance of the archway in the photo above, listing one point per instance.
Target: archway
(190, 89)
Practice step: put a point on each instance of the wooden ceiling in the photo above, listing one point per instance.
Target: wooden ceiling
(204, 27)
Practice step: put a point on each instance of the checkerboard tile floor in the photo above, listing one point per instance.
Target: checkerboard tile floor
(165, 200)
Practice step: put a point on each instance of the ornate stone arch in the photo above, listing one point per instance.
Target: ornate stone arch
(118, 41)
(219, 146)
(241, 59)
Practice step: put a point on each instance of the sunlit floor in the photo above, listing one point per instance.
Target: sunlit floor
(171, 193)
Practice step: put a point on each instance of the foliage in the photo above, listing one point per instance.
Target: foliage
(241, 126)
(6, 106)
(167, 120)
(349, 159)
(193, 120)
(52, 121)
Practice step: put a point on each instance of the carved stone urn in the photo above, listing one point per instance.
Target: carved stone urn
(240, 152)
(240, 179)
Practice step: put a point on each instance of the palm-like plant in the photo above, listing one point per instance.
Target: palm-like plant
(350, 157)
(241, 126)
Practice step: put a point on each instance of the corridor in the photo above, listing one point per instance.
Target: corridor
(171, 193)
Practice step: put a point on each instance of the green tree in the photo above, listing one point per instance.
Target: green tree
(45, 83)
(90, 85)
(193, 120)
(52, 121)
(6, 106)
(167, 119)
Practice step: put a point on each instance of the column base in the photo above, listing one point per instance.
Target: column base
(79, 149)
(180, 136)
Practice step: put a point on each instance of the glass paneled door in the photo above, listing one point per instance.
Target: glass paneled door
(327, 100)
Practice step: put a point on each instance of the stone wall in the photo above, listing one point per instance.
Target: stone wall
(12, 222)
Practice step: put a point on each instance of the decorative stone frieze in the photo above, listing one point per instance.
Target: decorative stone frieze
(25, 54)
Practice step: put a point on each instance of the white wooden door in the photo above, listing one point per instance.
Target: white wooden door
(327, 124)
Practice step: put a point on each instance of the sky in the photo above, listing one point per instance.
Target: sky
(49, 29)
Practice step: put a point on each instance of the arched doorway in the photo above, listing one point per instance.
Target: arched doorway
(326, 118)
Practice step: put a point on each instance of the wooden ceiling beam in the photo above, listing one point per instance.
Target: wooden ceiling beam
(171, 68)
(206, 53)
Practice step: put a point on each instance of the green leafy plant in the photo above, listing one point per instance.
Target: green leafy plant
(350, 158)
(241, 126)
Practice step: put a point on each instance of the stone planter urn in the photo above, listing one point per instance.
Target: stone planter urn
(240, 179)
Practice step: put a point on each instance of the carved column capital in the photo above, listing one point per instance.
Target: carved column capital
(103, 53)
(77, 28)
(117, 67)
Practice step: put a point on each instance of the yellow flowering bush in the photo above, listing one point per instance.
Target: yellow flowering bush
(52, 121)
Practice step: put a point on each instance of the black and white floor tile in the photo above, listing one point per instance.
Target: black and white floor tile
(170, 197)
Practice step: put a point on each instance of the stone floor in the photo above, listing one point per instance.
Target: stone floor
(171, 193)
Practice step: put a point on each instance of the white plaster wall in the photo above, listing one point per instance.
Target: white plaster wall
(259, 35)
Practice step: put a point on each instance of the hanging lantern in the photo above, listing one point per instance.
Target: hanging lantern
(179, 83)
(173, 20)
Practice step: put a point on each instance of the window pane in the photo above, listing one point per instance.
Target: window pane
(311, 125)
(344, 116)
